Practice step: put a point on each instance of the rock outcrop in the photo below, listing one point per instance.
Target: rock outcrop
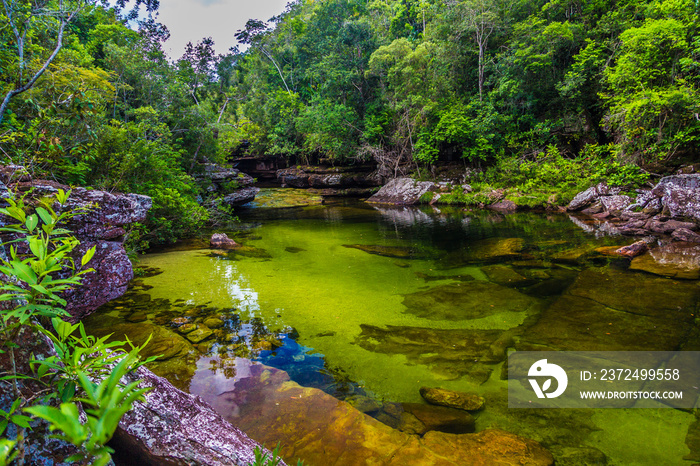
(173, 427)
(672, 208)
(402, 191)
(101, 225)
(350, 181)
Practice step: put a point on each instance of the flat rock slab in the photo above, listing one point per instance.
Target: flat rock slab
(440, 418)
(398, 252)
(449, 353)
(506, 276)
(322, 430)
(452, 399)
(485, 251)
(607, 310)
(469, 300)
(675, 260)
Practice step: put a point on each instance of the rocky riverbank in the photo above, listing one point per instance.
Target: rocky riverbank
(171, 427)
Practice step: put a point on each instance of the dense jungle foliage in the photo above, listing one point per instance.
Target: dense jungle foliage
(528, 92)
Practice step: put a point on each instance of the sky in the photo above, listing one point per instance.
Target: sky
(192, 20)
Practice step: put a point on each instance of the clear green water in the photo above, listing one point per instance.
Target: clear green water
(449, 294)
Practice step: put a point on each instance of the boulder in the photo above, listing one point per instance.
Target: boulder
(219, 175)
(293, 177)
(504, 206)
(452, 399)
(241, 196)
(111, 276)
(101, 226)
(590, 195)
(173, 427)
(634, 249)
(402, 191)
(222, 241)
(615, 203)
(684, 234)
(680, 194)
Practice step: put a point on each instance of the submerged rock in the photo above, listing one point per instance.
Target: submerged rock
(440, 418)
(675, 260)
(610, 310)
(398, 252)
(270, 408)
(506, 276)
(485, 251)
(452, 399)
(450, 354)
(471, 300)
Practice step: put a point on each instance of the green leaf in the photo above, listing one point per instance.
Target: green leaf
(32, 222)
(45, 215)
(87, 256)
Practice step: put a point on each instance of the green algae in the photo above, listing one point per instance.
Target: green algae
(351, 307)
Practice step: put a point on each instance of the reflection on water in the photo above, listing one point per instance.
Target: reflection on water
(377, 302)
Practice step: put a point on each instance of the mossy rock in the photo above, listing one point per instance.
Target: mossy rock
(467, 301)
(397, 252)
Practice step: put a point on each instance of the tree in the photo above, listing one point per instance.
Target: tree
(31, 58)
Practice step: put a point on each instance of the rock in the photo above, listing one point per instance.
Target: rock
(634, 249)
(595, 208)
(263, 402)
(449, 353)
(199, 334)
(137, 317)
(592, 194)
(399, 252)
(674, 260)
(173, 427)
(610, 310)
(294, 249)
(293, 177)
(485, 250)
(506, 276)
(41, 448)
(440, 418)
(684, 234)
(222, 241)
(666, 227)
(615, 203)
(363, 404)
(100, 226)
(109, 281)
(241, 196)
(219, 175)
(680, 194)
(213, 322)
(504, 206)
(402, 191)
(488, 447)
(471, 300)
(187, 328)
(452, 399)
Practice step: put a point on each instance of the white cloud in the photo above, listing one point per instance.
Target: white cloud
(192, 20)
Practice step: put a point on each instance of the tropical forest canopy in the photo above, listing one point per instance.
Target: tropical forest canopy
(499, 85)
